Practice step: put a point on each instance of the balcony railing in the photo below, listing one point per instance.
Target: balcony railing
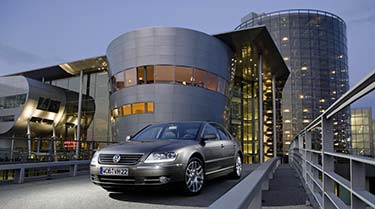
(339, 177)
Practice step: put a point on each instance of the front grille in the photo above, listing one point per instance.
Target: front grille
(128, 180)
(126, 159)
(117, 179)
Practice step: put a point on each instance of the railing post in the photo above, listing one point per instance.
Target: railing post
(19, 176)
(73, 169)
(256, 203)
(327, 160)
(358, 182)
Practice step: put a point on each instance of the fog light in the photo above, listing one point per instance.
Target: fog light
(163, 180)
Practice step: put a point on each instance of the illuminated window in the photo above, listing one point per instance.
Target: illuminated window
(138, 108)
(286, 110)
(169, 74)
(130, 77)
(211, 81)
(150, 107)
(126, 110)
(285, 39)
(303, 68)
(184, 75)
(150, 74)
(141, 77)
(164, 74)
(200, 77)
(286, 58)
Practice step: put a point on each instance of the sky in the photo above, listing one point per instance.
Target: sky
(41, 33)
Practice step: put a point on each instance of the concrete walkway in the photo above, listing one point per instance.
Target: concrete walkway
(285, 190)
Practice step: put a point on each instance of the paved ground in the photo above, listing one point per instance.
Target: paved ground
(285, 189)
(79, 192)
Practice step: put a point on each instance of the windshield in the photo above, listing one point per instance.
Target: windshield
(180, 131)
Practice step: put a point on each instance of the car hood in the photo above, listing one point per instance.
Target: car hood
(147, 147)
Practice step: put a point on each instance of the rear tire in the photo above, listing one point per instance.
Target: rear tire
(237, 169)
(194, 177)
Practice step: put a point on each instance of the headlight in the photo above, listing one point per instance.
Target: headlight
(94, 159)
(161, 157)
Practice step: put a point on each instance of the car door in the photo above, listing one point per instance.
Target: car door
(212, 149)
(228, 147)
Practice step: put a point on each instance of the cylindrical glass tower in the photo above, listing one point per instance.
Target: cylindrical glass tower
(313, 45)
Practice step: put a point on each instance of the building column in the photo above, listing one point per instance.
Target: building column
(78, 139)
(28, 133)
(274, 115)
(54, 141)
(260, 113)
(12, 149)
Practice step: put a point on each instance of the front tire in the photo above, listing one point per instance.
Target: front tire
(194, 176)
(237, 170)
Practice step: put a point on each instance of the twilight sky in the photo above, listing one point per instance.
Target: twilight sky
(42, 33)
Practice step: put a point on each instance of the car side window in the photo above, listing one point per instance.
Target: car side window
(210, 130)
(222, 134)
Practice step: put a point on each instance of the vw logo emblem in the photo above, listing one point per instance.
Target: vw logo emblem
(116, 158)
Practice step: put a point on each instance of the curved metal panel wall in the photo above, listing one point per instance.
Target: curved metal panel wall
(168, 45)
(172, 102)
(18, 113)
(10, 86)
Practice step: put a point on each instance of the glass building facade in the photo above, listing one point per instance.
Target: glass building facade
(362, 131)
(313, 45)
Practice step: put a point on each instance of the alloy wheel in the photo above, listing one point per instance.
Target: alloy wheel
(194, 176)
(238, 166)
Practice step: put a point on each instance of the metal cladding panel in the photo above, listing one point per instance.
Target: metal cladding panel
(13, 85)
(166, 45)
(171, 103)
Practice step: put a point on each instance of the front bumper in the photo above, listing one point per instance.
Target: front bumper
(140, 174)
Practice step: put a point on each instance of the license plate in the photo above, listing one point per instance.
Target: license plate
(114, 171)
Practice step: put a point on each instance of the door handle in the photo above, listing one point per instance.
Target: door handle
(222, 146)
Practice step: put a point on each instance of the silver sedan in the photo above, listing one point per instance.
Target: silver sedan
(184, 153)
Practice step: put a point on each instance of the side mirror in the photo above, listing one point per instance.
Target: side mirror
(127, 138)
(209, 137)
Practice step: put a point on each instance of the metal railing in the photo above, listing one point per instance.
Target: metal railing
(321, 168)
(248, 193)
(20, 170)
(47, 158)
(47, 150)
